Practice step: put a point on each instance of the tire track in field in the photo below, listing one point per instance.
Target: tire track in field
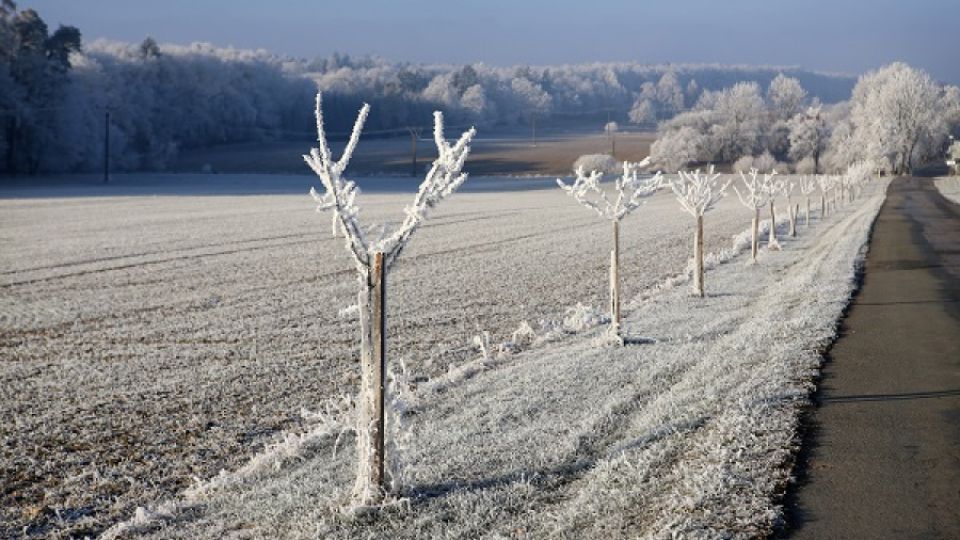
(82, 262)
(312, 238)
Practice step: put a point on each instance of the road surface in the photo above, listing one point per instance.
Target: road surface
(882, 455)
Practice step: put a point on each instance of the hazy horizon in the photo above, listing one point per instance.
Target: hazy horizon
(837, 37)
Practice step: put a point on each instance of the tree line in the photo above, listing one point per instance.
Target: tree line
(55, 92)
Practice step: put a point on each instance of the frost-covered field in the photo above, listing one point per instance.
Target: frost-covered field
(148, 340)
(949, 186)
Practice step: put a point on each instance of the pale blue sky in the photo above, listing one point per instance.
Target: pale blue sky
(832, 35)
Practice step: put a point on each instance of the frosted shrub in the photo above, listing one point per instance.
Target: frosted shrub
(745, 163)
(581, 317)
(806, 165)
(765, 162)
(602, 163)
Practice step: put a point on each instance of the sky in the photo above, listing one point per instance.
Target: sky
(828, 35)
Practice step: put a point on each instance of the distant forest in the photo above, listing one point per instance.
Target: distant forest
(56, 91)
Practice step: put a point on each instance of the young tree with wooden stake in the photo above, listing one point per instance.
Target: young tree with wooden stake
(807, 187)
(754, 198)
(373, 259)
(630, 189)
(697, 194)
(773, 188)
(826, 184)
(840, 191)
(786, 189)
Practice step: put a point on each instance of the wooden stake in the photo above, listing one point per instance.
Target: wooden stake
(379, 329)
(772, 237)
(698, 258)
(370, 483)
(806, 217)
(615, 280)
(755, 241)
(794, 212)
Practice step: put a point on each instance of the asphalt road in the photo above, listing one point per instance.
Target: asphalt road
(882, 452)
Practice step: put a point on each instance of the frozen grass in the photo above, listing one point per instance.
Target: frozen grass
(949, 186)
(147, 341)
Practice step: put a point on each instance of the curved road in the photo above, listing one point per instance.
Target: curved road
(882, 455)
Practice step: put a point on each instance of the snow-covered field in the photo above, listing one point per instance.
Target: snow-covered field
(949, 186)
(151, 340)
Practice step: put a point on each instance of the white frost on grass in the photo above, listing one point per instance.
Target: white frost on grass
(949, 187)
(332, 421)
(689, 436)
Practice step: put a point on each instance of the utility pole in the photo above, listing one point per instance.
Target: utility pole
(106, 149)
(533, 129)
(414, 135)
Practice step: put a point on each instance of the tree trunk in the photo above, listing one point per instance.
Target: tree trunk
(792, 214)
(806, 217)
(755, 229)
(698, 258)
(772, 237)
(823, 206)
(615, 281)
(369, 488)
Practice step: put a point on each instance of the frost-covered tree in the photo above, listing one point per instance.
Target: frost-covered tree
(842, 149)
(676, 149)
(642, 112)
(808, 136)
(897, 116)
(35, 84)
(670, 93)
(474, 100)
(692, 92)
(786, 96)
(629, 191)
(697, 193)
(755, 195)
(740, 110)
(532, 99)
(372, 258)
(858, 175)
